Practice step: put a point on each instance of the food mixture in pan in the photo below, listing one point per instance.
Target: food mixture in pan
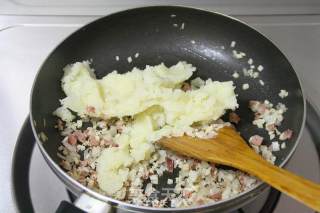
(110, 128)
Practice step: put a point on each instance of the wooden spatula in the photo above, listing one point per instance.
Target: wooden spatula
(229, 148)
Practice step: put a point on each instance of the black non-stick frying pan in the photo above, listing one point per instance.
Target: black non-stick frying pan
(160, 37)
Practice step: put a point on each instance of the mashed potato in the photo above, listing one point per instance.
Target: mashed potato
(155, 101)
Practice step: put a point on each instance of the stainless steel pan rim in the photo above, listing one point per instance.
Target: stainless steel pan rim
(76, 187)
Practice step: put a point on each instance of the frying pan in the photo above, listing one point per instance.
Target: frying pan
(160, 37)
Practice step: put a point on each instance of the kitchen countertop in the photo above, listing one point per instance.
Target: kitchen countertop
(25, 41)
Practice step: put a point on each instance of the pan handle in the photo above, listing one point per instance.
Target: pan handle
(66, 207)
(85, 203)
(90, 204)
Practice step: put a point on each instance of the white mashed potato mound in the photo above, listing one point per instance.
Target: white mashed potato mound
(155, 101)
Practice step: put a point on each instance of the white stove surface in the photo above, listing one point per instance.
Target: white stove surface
(25, 41)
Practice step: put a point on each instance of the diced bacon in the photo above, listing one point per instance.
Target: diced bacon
(119, 126)
(213, 168)
(200, 202)
(105, 117)
(94, 174)
(170, 164)
(72, 139)
(60, 124)
(156, 204)
(146, 175)
(261, 108)
(194, 165)
(258, 107)
(66, 165)
(234, 118)
(93, 141)
(105, 142)
(216, 196)
(197, 161)
(270, 127)
(80, 135)
(119, 123)
(127, 183)
(114, 145)
(253, 105)
(257, 116)
(91, 109)
(242, 182)
(186, 194)
(256, 140)
(84, 162)
(186, 86)
(84, 171)
(287, 134)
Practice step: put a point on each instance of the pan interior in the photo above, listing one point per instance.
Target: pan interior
(198, 37)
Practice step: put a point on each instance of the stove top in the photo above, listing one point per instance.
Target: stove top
(27, 38)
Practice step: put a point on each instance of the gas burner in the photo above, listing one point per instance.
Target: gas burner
(30, 170)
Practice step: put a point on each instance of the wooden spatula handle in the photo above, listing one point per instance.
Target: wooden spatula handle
(295, 186)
